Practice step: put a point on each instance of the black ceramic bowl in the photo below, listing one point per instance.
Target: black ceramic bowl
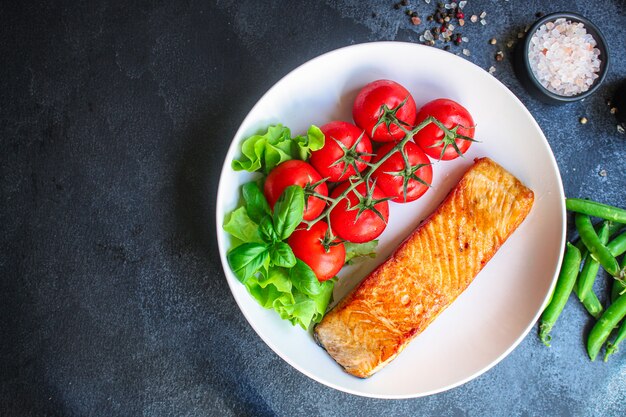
(525, 73)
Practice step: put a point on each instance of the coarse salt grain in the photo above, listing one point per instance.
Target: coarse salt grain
(563, 57)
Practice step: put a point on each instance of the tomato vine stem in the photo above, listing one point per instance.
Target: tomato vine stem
(360, 178)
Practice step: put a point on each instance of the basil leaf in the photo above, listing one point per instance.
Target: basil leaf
(356, 250)
(256, 204)
(304, 279)
(288, 211)
(266, 229)
(282, 255)
(246, 260)
(239, 225)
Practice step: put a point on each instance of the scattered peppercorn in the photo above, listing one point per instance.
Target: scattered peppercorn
(493, 41)
(408, 12)
(613, 110)
(430, 18)
(583, 120)
(404, 2)
(446, 48)
(396, 6)
(539, 14)
(499, 56)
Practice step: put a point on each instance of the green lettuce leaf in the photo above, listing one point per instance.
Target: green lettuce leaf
(357, 250)
(264, 152)
(276, 290)
(240, 226)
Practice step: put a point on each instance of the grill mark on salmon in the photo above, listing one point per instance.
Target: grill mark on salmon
(427, 272)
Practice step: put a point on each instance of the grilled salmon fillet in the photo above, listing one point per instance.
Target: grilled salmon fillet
(427, 272)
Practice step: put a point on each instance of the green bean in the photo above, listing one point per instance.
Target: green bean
(617, 288)
(618, 285)
(591, 303)
(591, 240)
(591, 267)
(618, 245)
(564, 285)
(595, 209)
(603, 327)
(613, 347)
(613, 229)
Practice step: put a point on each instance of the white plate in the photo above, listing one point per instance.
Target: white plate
(499, 308)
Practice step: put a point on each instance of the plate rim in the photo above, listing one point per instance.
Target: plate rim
(222, 250)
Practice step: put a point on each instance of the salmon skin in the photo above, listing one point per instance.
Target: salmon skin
(427, 272)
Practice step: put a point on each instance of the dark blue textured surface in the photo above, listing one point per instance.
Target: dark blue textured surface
(114, 121)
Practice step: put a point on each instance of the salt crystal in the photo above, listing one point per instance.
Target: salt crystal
(492, 69)
(462, 4)
(428, 35)
(451, 27)
(466, 52)
(422, 38)
(465, 39)
(620, 129)
(563, 58)
(483, 15)
(483, 22)
(448, 6)
(427, 1)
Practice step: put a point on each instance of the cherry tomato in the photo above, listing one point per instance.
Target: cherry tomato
(296, 172)
(393, 185)
(450, 114)
(369, 225)
(368, 105)
(325, 159)
(308, 246)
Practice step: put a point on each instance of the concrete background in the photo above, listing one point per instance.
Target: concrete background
(114, 121)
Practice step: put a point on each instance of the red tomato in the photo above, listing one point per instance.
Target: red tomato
(295, 172)
(308, 247)
(368, 226)
(393, 185)
(347, 134)
(450, 114)
(367, 109)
